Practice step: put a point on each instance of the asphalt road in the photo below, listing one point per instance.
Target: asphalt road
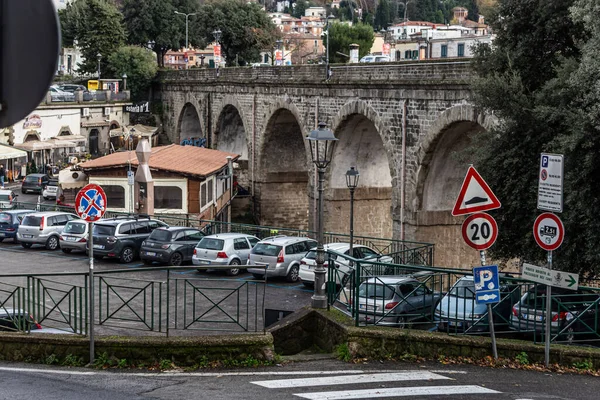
(328, 379)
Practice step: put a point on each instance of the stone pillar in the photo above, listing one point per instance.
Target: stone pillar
(144, 185)
(353, 53)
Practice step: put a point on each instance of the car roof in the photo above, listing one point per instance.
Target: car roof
(228, 235)
(175, 228)
(37, 174)
(391, 279)
(117, 221)
(50, 213)
(283, 240)
(17, 211)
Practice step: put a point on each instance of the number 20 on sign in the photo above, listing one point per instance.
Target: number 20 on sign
(480, 231)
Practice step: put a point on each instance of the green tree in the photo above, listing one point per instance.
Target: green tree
(154, 23)
(383, 15)
(539, 79)
(245, 28)
(140, 66)
(300, 8)
(97, 26)
(341, 36)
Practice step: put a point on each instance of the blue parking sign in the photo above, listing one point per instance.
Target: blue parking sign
(487, 284)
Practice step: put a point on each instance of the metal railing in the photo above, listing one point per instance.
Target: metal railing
(375, 293)
(153, 300)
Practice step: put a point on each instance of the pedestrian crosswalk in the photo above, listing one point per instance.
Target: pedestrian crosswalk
(379, 382)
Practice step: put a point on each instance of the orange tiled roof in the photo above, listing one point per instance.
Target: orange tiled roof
(187, 160)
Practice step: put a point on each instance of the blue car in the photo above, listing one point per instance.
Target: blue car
(459, 312)
(9, 223)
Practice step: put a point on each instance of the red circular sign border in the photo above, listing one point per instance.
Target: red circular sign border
(561, 231)
(80, 194)
(491, 220)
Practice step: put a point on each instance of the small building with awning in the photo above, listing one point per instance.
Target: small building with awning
(12, 159)
(127, 137)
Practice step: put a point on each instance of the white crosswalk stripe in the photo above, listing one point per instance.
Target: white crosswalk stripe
(367, 379)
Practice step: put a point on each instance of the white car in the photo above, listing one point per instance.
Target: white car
(309, 262)
(50, 190)
(375, 59)
(7, 197)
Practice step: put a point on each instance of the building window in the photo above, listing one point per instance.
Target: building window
(168, 197)
(415, 54)
(206, 193)
(115, 196)
(407, 54)
(444, 51)
(461, 49)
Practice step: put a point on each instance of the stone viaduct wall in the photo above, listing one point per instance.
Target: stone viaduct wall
(404, 126)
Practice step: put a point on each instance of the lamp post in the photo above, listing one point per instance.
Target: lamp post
(352, 176)
(321, 142)
(99, 57)
(217, 34)
(327, 71)
(124, 82)
(187, 17)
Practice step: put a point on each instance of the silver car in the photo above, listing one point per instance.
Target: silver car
(43, 228)
(224, 249)
(74, 236)
(281, 255)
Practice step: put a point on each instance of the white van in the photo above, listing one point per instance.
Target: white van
(375, 59)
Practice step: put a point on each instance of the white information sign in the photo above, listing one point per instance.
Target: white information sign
(550, 187)
(550, 277)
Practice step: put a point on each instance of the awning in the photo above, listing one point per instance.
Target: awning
(71, 138)
(94, 124)
(34, 145)
(61, 144)
(8, 152)
(141, 130)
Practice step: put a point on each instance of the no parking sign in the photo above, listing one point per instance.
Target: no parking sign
(90, 203)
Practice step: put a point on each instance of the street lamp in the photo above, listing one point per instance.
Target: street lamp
(327, 71)
(352, 176)
(124, 82)
(187, 17)
(99, 56)
(322, 142)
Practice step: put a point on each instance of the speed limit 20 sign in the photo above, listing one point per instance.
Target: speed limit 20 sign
(480, 231)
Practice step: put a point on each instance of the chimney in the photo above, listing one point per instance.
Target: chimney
(481, 19)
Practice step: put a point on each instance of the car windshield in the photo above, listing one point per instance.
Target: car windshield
(211, 244)
(75, 228)
(265, 249)
(4, 197)
(103, 230)
(31, 220)
(375, 291)
(31, 178)
(463, 289)
(160, 235)
(311, 255)
(53, 182)
(5, 218)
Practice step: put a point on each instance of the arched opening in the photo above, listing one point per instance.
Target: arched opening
(282, 184)
(230, 136)
(93, 142)
(360, 146)
(189, 124)
(441, 174)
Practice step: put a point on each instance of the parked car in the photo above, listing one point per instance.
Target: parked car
(122, 237)
(74, 236)
(72, 88)
(57, 94)
(574, 311)
(172, 245)
(309, 261)
(35, 183)
(224, 249)
(43, 228)
(281, 255)
(459, 312)
(9, 223)
(395, 300)
(51, 189)
(7, 198)
(13, 320)
(375, 58)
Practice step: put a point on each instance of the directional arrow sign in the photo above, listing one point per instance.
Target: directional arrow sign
(550, 277)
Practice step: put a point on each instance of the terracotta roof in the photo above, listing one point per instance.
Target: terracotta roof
(415, 23)
(187, 160)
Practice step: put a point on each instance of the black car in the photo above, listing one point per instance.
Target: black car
(122, 237)
(35, 183)
(172, 246)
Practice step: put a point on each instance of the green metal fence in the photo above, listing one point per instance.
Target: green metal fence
(160, 300)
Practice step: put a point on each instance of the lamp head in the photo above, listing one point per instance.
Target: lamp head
(352, 176)
(322, 142)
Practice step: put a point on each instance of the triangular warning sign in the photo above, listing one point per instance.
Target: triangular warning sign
(475, 195)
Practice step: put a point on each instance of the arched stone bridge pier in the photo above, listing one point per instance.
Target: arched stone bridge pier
(403, 126)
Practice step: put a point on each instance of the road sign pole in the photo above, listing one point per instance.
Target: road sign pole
(92, 305)
(548, 314)
(490, 315)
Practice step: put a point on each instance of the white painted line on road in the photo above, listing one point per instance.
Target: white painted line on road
(354, 379)
(444, 371)
(274, 373)
(47, 371)
(397, 392)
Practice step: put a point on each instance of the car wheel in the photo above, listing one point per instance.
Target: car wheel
(26, 245)
(127, 255)
(52, 243)
(67, 251)
(23, 191)
(292, 276)
(403, 322)
(234, 271)
(176, 259)
(1, 240)
(258, 277)
(46, 198)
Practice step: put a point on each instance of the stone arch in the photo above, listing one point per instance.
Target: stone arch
(230, 133)
(282, 181)
(190, 123)
(362, 145)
